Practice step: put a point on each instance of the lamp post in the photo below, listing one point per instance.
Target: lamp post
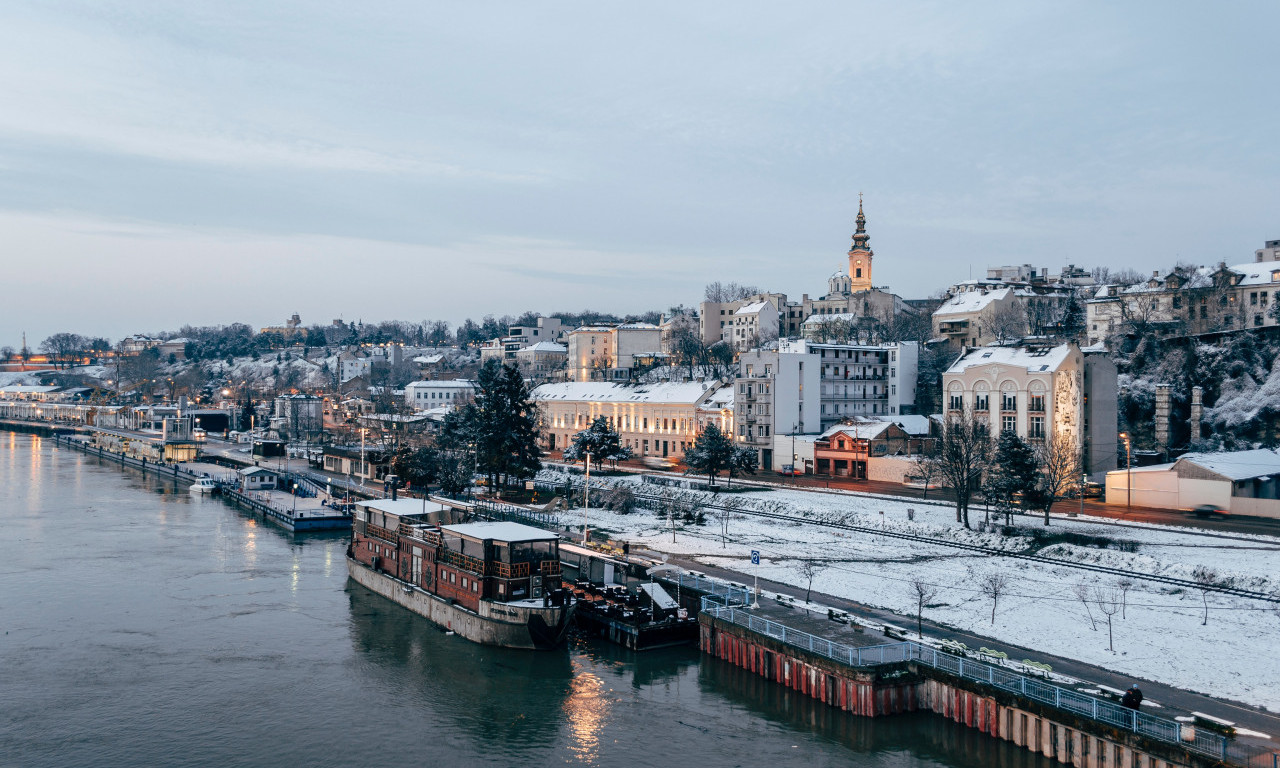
(586, 498)
(363, 472)
(1128, 472)
(794, 427)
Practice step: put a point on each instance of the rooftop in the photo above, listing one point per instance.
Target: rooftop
(1236, 465)
(972, 301)
(509, 532)
(1034, 359)
(595, 392)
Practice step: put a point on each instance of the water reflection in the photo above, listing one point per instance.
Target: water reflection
(586, 710)
(929, 736)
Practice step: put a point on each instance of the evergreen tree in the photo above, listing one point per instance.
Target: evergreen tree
(743, 461)
(711, 453)
(504, 425)
(1014, 474)
(599, 440)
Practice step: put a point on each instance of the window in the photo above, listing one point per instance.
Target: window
(1007, 423)
(1008, 401)
(1253, 298)
(1037, 404)
(957, 402)
(1037, 427)
(980, 402)
(1257, 319)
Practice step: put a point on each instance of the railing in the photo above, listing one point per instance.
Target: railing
(465, 562)
(1038, 689)
(511, 513)
(717, 592)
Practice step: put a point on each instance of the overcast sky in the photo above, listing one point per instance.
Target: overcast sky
(165, 163)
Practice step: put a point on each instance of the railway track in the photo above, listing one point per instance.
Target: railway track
(990, 551)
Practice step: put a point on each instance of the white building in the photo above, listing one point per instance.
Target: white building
(424, 395)
(543, 362)
(1239, 483)
(857, 379)
(1039, 393)
(652, 419)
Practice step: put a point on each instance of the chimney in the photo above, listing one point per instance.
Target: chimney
(1197, 411)
(1162, 416)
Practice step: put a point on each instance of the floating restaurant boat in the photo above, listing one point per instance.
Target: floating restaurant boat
(494, 583)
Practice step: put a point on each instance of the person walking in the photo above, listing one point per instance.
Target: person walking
(1132, 697)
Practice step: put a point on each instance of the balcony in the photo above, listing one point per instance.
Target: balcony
(954, 327)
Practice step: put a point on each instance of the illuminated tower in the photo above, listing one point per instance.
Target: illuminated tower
(860, 255)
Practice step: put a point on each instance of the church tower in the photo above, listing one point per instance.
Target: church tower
(860, 255)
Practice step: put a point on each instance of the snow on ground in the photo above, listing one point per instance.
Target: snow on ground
(1160, 635)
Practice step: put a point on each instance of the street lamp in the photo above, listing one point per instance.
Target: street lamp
(1128, 472)
(586, 498)
(363, 471)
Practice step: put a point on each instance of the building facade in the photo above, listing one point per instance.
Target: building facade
(1040, 393)
(424, 395)
(611, 352)
(653, 420)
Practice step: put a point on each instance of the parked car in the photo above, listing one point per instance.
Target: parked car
(788, 470)
(1208, 510)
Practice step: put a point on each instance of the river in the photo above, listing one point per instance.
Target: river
(145, 626)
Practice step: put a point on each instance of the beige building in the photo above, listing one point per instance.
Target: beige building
(611, 352)
(1190, 301)
(543, 362)
(1039, 393)
(653, 420)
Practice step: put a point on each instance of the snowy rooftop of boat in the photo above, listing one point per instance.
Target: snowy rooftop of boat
(498, 531)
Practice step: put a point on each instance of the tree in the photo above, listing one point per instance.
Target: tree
(1006, 323)
(927, 469)
(1124, 585)
(711, 453)
(743, 461)
(721, 293)
(1012, 474)
(1060, 467)
(505, 425)
(1109, 602)
(1206, 579)
(599, 441)
(963, 453)
(455, 460)
(924, 593)
(415, 465)
(993, 585)
(1082, 594)
(809, 569)
(62, 347)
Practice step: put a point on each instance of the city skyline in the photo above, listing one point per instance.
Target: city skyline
(164, 166)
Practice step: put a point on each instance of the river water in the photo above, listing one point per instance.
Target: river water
(145, 626)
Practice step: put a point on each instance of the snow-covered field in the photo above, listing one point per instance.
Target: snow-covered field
(1159, 637)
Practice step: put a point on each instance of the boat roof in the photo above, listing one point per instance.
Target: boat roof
(500, 531)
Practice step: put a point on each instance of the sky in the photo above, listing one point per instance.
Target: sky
(166, 163)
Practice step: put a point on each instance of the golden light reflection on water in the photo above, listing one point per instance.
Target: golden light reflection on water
(251, 543)
(586, 710)
(293, 576)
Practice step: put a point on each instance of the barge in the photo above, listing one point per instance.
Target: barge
(494, 583)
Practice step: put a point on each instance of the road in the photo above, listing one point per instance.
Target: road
(1091, 507)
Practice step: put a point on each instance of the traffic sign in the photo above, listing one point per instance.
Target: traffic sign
(755, 557)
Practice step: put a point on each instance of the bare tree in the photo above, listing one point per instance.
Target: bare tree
(962, 458)
(1110, 603)
(924, 593)
(809, 569)
(993, 585)
(1082, 594)
(727, 509)
(1206, 579)
(926, 468)
(724, 292)
(1124, 585)
(1006, 323)
(1059, 467)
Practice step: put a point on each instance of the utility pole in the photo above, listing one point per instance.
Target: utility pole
(586, 498)
(1128, 472)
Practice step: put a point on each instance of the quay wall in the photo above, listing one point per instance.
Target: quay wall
(909, 687)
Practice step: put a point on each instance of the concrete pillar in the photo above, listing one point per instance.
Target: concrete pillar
(1197, 411)
(1163, 399)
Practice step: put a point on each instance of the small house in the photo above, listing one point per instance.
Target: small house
(259, 479)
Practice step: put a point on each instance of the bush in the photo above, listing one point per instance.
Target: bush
(620, 499)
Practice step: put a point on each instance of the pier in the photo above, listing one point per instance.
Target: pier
(875, 674)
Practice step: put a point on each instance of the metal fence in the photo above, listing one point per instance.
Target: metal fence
(715, 592)
(1038, 689)
(498, 510)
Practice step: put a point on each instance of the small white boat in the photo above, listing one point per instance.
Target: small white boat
(204, 485)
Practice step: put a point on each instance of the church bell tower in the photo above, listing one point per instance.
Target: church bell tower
(860, 255)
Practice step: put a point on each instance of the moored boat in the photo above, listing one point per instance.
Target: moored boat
(204, 485)
(494, 583)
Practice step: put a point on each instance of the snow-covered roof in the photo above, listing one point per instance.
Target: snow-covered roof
(428, 359)
(509, 532)
(751, 309)
(1034, 360)
(866, 430)
(257, 471)
(638, 327)
(1236, 465)
(972, 301)
(441, 384)
(401, 506)
(848, 317)
(595, 392)
(1257, 273)
(546, 346)
(913, 424)
(25, 389)
(721, 398)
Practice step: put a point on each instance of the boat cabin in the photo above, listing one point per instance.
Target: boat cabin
(497, 562)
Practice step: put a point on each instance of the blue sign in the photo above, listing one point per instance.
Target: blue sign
(755, 557)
